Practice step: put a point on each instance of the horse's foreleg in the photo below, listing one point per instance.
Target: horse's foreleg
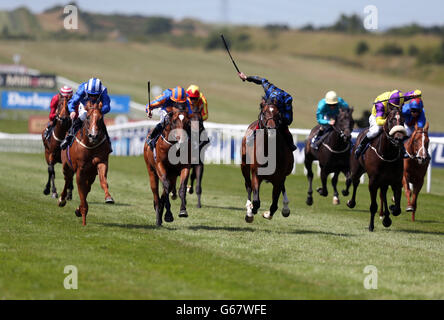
(277, 189)
(83, 188)
(154, 184)
(51, 172)
(387, 222)
(407, 191)
(323, 190)
(308, 166)
(255, 184)
(285, 202)
(354, 176)
(68, 175)
(190, 188)
(102, 170)
(47, 189)
(373, 205)
(334, 183)
(416, 189)
(397, 192)
(245, 168)
(199, 176)
(183, 192)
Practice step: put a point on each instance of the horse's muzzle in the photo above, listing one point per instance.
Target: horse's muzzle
(92, 138)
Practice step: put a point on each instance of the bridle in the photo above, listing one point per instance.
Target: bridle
(422, 148)
(263, 122)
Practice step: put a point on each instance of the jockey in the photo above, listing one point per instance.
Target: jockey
(284, 104)
(379, 114)
(92, 90)
(328, 109)
(413, 113)
(199, 104)
(64, 91)
(166, 101)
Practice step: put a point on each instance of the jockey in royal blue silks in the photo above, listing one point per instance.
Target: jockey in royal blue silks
(172, 97)
(413, 113)
(283, 103)
(328, 109)
(92, 90)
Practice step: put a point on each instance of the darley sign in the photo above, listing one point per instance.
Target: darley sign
(41, 101)
(14, 80)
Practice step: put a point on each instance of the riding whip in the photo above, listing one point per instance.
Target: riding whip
(228, 50)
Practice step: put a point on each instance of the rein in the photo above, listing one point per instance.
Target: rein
(93, 147)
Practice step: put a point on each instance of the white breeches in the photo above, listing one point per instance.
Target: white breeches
(409, 129)
(374, 129)
(82, 112)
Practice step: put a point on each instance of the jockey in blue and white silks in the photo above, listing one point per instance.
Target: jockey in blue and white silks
(328, 109)
(92, 90)
(283, 103)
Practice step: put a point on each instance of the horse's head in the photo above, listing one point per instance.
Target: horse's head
(94, 121)
(344, 123)
(394, 126)
(62, 113)
(418, 144)
(179, 123)
(269, 118)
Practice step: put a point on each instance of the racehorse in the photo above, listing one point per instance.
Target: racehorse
(269, 121)
(383, 162)
(160, 164)
(52, 145)
(197, 169)
(415, 167)
(87, 157)
(333, 154)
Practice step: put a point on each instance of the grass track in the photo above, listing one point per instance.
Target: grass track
(319, 252)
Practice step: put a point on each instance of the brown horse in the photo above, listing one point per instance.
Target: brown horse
(197, 169)
(333, 154)
(415, 167)
(87, 157)
(162, 163)
(52, 145)
(255, 163)
(384, 165)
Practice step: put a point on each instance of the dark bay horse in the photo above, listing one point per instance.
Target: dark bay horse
(162, 165)
(87, 157)
(333, 154)
(197, 169)
(384, 165)
(256, 168)
(415, 167)
(52, 144)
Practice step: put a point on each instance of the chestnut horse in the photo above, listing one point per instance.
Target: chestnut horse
(333, 154)
(52, 145)
(384, 164)
(161, 165)
(87, 157)
(255, 169)
(415, 167)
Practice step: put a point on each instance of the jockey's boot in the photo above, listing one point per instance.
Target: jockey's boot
(109, 140)
(317, 139)
(361, 147)
(76, 125)
(154, 134)
(48, 130)
(289, 139)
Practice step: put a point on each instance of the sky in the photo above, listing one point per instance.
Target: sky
(294, 13)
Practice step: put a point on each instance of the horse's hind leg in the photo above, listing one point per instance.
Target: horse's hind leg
(285, 210)
(68, 175)
(190, 187)
(70, 189)
(102, 170)
(277, 189)
(308, 166)
(354, 176)
(183, 192)
(48, 183)
(199, 175)
(416, 189)
(334, 183)
(246, 173)
(373, 205)
(397, 192)
(323, 190)
(51, 172)
(386, 222)
(83, 187)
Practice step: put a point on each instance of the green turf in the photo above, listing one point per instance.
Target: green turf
(319, 252)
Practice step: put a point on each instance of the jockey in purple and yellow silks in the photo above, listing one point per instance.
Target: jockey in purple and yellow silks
(379, 114)
(283, 102)
(166, 101)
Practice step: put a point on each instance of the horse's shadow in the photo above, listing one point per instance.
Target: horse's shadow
(136, 226)
(221, 207)
(116, 204)
(420, 232)
(231, 229)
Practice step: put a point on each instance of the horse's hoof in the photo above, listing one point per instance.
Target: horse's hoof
(54, 195)
(199, 206)
(183, 214)
(61, 202)
(69, 197)
(46, 192)
(409, 209)
(345, 193)
(413, 217)
(173, 196)
(309, 201)
(387, 222)
(109, 200)
(321, 191)
(351, 204)
(77, 212)
(336, 201)
(395, 211)
(267, 215)
(169, 217)
(249, 219)
(371, 229)
(285, 212)
(190, 189)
